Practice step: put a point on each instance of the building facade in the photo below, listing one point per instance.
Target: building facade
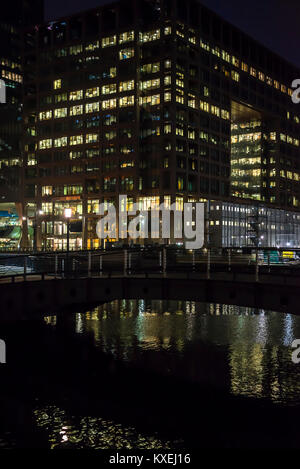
(15, 15)
(163, 101)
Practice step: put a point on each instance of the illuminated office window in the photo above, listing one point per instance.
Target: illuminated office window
(61, 142)
(126, 37)
(47, 190)
(45, 115)
(126, 101)
(91, 138)
(253, 72)
(216, 51)
(109, 89)
(152, 100)
(76, 140)
(150, 68)
(276, 84)
(179, 81)
(225, 56)
(75, 50)
(192, 101)
(57, 84)
(192, 37)
(179, 96)
(283, 89)
(75, 95)
(215, 110)
(204, 106)
(235, 61)
(109, 104)
(125, 54)
(167, 96)
(167, 80)
(150, 36)
(59, 113)
(61, 97)
(92, 107)
(110, 135)
(92, 46)
(31, 159)
(44, 144)
(47, 208)
(126, 85)
(244, 67)
(204, 45)
(150, 84)
(167, 30)
(261, 76)
(235, 75)
(109, 41)
(225, 114)
(76, 110)
(92, 92)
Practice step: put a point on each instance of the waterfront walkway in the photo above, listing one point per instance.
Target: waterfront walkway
(34, 285)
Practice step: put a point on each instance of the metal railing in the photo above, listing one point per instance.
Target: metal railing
(208, 263)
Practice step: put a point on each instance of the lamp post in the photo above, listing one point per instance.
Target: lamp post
(68, 214)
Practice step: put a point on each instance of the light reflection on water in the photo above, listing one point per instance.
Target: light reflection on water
(243, 351)
(92, 432)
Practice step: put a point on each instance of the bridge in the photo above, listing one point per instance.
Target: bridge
(37, 284)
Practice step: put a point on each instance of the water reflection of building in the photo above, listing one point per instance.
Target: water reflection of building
(242, 350)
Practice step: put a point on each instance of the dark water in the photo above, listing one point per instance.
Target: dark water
(149, 375)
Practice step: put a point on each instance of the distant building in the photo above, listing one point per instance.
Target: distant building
(14, 16)
(164, 101)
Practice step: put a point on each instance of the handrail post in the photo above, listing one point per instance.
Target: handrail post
(101, 265)
(125, 262)
(164, 261)
(55, 265)
(229, 260)
(129, 263)
(25, 267)
(89, 263)
(193, 260)
(256, 267)
(160, 260)
(208, 263)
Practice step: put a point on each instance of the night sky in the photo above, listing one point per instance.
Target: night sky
(275, 23)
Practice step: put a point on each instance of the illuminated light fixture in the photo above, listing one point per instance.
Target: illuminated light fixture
(68, 212)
